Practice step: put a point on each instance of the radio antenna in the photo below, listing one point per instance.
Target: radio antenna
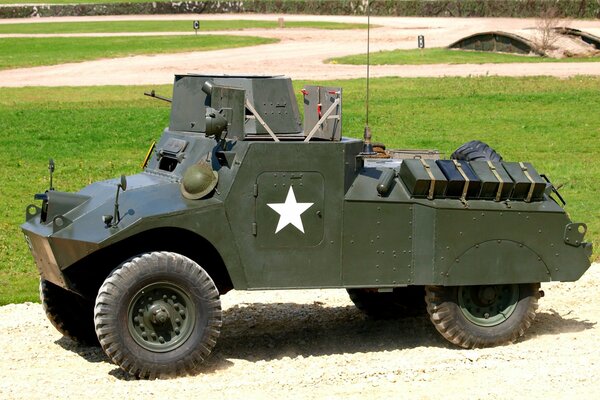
(367, 146)
(368, 60)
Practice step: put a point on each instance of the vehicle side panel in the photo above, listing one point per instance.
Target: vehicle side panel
(395, 239)
(290, 258)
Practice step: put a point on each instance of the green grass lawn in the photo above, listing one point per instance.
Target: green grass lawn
(27, 52)
(447, 56)
(163, 26)
(98, 133)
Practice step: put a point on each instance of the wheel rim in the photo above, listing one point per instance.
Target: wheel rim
(488, 305)
(161, 317)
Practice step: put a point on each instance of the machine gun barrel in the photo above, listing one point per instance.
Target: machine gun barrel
(152, 93)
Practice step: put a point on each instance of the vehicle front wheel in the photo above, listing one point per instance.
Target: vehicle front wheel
(484, 315)
(158, 315)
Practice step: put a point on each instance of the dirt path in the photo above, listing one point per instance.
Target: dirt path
(299, 54)
(315, 344)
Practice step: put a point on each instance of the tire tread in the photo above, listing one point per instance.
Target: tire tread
(476, 150)
(445, 315)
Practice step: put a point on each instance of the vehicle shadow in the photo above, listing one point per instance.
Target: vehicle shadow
(93, 354)
(272, 331)
(267, 331)
(552, 323)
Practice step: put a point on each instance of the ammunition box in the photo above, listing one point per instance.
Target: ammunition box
(456, 180)
(423, 178)
(492, 174)
(529, 185)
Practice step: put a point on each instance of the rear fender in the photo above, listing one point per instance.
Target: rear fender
(496, 261)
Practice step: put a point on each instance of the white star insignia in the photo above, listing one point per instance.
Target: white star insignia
(290, 211)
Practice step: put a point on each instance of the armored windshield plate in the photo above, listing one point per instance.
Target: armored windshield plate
(174, 146)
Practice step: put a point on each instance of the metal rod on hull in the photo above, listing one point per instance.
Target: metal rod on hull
(368, 60)
(367, 146)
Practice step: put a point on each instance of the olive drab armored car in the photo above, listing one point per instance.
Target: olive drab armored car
(238, 193)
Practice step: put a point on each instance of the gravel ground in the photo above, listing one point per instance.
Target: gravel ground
(315, 344)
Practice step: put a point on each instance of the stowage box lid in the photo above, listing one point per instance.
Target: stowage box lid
(529, 185)
(423, 178)
(456, 180)
(492, 174)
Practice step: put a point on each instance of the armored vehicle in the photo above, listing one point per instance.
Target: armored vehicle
(239, 194)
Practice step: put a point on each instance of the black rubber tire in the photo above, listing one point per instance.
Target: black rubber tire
(448, 318)
(113, 318)
(476, 150)
(69, 313)
(402, 302)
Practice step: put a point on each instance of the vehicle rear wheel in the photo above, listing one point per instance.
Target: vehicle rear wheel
(158, 315)
(476, 150)
(69, 313)
(401, 302)
(482, 316)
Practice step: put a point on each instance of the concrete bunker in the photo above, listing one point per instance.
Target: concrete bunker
(564, 42)
(500, 42)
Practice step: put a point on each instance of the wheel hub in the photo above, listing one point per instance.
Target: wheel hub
(487, 295)
(488, 305)
(159, 314)
(161, 317)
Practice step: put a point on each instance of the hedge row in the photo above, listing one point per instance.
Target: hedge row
(427, 8)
